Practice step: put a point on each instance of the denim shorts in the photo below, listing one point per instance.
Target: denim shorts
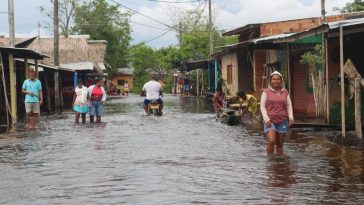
(96, 108)
(280, 128)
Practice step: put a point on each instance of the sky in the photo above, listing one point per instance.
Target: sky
(229, 14)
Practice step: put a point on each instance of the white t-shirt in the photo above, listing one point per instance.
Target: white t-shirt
(152, 89)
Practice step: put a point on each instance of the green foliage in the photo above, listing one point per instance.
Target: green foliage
(103, 21)
(314, 56)
(355, 6)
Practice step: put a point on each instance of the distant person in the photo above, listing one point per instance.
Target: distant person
(153, 91)
(79, 102)
(32, 88)
(97, 97)
(126, 88)
(248, 101)
(186, 86)
(219, 99)
(276, 108)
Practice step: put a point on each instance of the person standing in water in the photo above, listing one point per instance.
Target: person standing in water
(276, 108)
(32, 88)
(97, 98)
(79, 102)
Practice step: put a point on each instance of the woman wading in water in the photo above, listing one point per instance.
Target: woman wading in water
(276, 108)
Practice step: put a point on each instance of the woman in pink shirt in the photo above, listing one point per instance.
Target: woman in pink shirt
(97, 97)
(276, 108)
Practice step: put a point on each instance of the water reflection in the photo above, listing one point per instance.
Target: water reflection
(183, 157)
(281, 177)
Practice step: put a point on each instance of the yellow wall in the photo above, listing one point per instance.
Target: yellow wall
(128, 78)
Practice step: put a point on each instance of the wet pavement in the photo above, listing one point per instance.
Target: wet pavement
(183, 157)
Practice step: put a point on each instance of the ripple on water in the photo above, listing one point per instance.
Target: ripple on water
(183, 157)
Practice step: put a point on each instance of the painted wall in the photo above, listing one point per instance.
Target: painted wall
(230, 59)
(128, 78)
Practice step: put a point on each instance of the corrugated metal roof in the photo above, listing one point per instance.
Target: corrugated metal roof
(101, 66)
(344, 23)
(272, 37)
(126, 71)
(78, 66)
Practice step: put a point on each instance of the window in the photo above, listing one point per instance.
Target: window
(229, 70)
(121, 82)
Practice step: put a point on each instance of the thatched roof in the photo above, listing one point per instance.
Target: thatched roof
(73, 49)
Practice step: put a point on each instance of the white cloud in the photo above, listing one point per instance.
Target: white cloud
(231, 14)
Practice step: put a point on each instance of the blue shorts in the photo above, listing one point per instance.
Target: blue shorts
(280, 128)
(96, 108)
(160, 102)
(186, 87)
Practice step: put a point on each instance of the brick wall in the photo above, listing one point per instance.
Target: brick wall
(303, 101)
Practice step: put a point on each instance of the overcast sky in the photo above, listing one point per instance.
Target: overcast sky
(230, 14)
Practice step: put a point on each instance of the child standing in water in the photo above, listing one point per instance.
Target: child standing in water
(80, 105)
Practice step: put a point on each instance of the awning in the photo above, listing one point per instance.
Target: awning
(101, 66)
(77, 66)
(22, 53)
(40, 66)
(192, 65)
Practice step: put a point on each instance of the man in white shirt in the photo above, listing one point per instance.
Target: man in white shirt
(153, 91)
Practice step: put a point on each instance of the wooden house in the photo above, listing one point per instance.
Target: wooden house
(247, 64)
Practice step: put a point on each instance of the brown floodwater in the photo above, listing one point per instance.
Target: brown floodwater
(183, 157)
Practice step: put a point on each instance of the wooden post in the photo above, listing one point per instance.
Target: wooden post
(327, 81)
(36, 69)
(216, 74)
(26, 67)
(57, 91)
(343, 130)
(13, 95)
(197, 83)
(358, 131)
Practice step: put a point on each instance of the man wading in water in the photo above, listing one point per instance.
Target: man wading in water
(32, 88)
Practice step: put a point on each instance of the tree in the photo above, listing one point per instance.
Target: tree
(66, 14)
(356, 5)
(143, 58)
(103, 21)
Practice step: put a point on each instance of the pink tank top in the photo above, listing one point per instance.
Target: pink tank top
(276, 105)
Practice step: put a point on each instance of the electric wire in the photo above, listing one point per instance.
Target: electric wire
(171, 27)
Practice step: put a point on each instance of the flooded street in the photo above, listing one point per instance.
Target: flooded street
(183, 157)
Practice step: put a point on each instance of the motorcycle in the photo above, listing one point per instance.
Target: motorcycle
(154, 108)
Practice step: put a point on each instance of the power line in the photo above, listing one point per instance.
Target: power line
(164, 33)
(171, 27)
(176, 2)
(148, 26)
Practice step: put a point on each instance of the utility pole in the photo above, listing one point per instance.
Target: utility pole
(180, 34)
(323, 11)
(12, 70)
(11, 23)
(210, 30)
(56, 56)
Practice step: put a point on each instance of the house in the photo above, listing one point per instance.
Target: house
(353, 39)
(12, 76)
(79, 58)
(122, 76)
(247, 64)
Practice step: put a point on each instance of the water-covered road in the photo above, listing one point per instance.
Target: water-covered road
(183, 157)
